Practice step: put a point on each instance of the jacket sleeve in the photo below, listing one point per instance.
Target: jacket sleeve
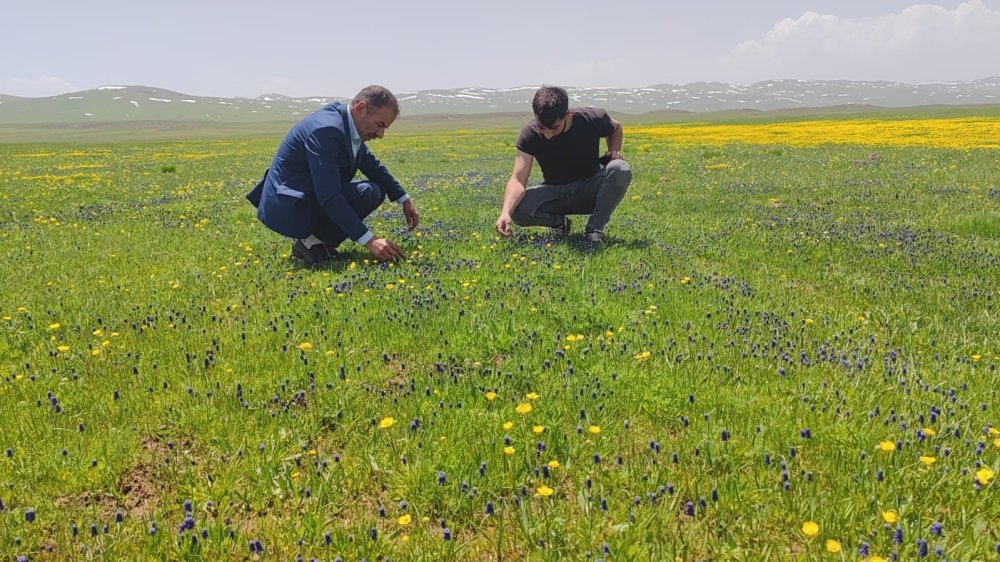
(377, 172)
(324, 149)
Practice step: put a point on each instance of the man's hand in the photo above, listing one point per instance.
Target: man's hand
(384, 250)
(411, 214)
(503, 225)
(612, 155)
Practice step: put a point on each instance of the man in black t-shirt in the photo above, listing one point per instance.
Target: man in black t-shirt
(576, 180)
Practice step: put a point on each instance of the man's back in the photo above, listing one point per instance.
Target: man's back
(290, 166)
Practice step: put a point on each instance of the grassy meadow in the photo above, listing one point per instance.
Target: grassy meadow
(787, 349)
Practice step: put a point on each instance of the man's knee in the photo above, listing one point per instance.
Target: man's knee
(370, 195)
(618, 173)
(518, 216)
(377, 195)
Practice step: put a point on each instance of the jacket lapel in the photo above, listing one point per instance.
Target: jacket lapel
(351, 158)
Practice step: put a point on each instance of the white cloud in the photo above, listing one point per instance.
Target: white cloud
(39, 87)
(923, 42)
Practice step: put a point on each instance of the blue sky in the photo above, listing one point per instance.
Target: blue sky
(330, 48)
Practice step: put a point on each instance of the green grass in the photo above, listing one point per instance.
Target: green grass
(733, 309)
(169, 127)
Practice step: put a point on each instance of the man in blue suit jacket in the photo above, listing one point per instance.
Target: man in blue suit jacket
(308, 194)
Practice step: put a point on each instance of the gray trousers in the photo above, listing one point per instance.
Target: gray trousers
(597, 196)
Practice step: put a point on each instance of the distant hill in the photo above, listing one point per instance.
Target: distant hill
(145, 104)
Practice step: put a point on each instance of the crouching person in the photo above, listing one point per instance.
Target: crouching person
(576, 179)
(308, 192)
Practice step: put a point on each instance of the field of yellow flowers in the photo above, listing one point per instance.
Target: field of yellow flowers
(956, 133)
(787, 349)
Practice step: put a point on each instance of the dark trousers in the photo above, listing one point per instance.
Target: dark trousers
(363, 196)
(597, 196)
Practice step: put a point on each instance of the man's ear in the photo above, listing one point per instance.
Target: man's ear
(362, 106)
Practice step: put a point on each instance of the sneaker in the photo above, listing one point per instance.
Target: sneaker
(314, 255)
(594, 236)
(562, 230)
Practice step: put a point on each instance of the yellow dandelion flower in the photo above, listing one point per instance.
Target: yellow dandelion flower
(537, 429)
(405, 519)
(305, 346)
(890, 517)
(685, 280)
(927, 461)
(984, 475)
(809, 322)
(508, 451)
(523, 409)
(491, 396)
(387, 422)
(553, 463)
(330, 353)
(810, 528)
(508, 425)
(545, 491)
(874, 559)
(532, 396)
(594, 429)
(54, 326)
(887, 446)
(95, 352)
(642, 356)
(929, 431)
(996, 442)
(976, 357)
(62, 349)
(832, 546)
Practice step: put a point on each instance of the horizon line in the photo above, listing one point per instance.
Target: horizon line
(502, 88)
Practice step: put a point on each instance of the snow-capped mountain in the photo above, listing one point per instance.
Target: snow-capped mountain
(143, 103)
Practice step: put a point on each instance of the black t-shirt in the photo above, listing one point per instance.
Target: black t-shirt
(573, 155)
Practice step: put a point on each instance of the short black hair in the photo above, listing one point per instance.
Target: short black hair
(550, 104)
(377, 97)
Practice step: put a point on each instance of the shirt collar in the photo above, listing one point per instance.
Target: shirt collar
(355, 137)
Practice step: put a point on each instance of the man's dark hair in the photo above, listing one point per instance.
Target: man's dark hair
(550, 104)
(378, 97)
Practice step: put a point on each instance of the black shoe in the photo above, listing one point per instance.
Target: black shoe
(562, 230)
(594, 236)
(315, 255)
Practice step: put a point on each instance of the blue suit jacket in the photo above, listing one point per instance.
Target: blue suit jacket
(313, 164)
